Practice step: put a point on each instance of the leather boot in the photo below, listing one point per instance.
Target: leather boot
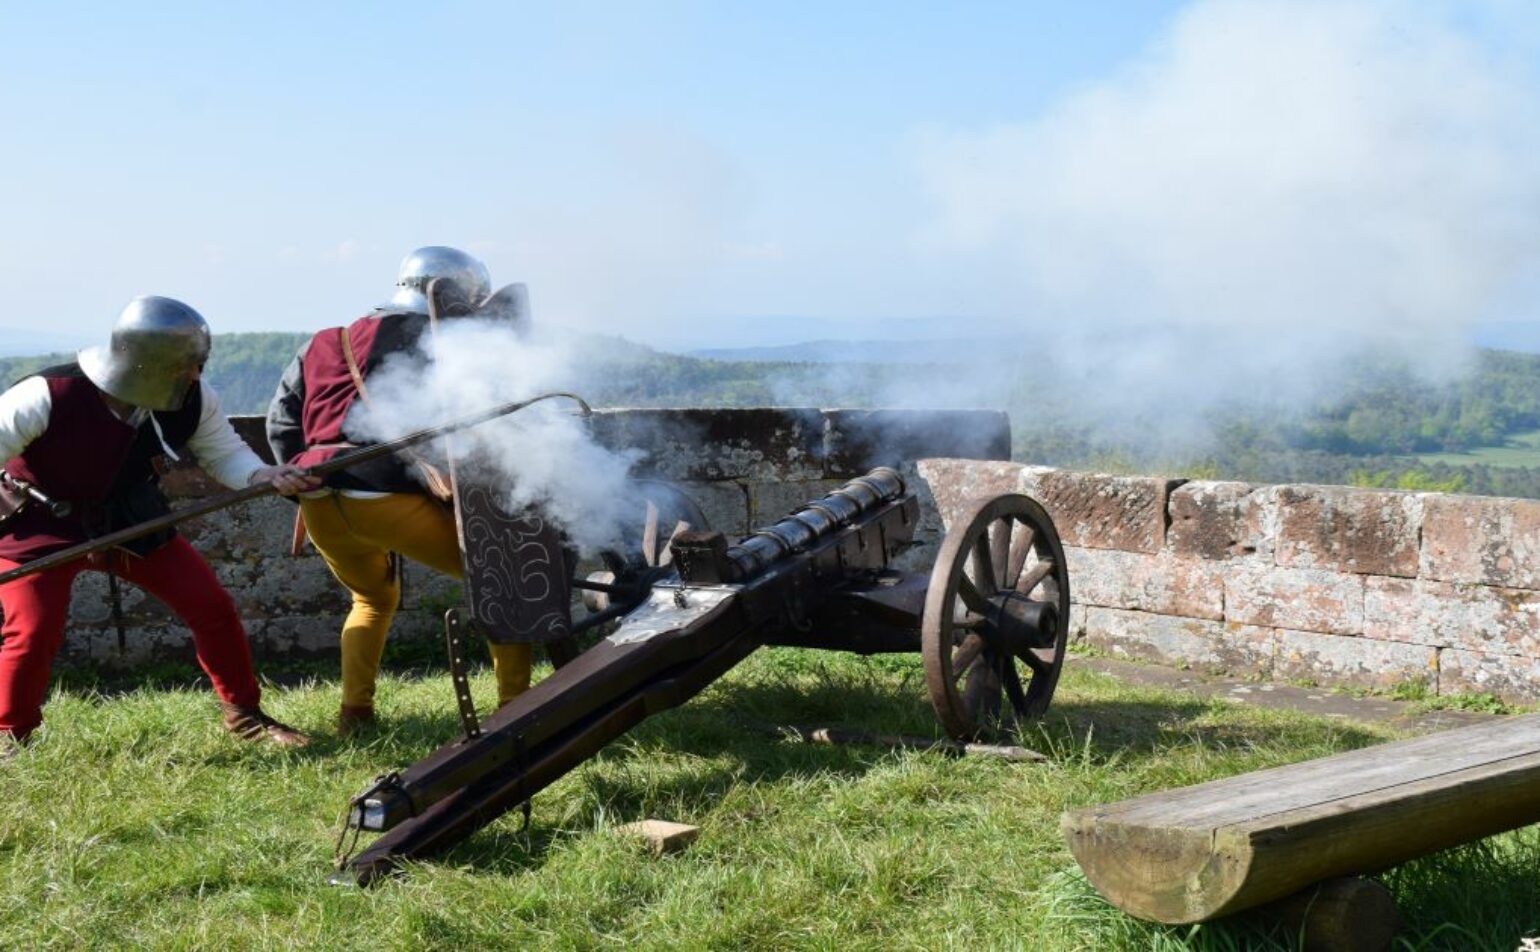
(250, 723)
(354, 718)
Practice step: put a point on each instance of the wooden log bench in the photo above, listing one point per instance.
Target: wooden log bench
(1200, 852)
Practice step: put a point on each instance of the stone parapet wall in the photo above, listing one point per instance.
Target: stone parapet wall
(745, 468)
(1336, 585)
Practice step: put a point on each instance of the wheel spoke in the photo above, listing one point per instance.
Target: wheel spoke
(971, 596)
(1021, 547)
(984, 565)
(969, 622)
(650, 535)
(1030, 579)
(1013, 690)
(982, 694)
(667, 555)
(999, 549)
(1034, 661)
(966, 654)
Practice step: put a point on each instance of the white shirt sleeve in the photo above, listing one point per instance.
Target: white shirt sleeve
(219, 449)
(24, 412)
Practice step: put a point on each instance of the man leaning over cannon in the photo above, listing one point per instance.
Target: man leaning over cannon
(391, 505)
(90, 438)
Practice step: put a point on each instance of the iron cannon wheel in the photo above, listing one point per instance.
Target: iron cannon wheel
(1002, 553)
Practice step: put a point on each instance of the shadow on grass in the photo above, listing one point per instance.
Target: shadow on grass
(1116, 727)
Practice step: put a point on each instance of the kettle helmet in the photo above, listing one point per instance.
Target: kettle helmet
(157, 349)
(463, 281)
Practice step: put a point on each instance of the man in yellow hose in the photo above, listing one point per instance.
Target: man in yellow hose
(390, 505)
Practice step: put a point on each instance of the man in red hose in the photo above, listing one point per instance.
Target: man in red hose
(96, 434)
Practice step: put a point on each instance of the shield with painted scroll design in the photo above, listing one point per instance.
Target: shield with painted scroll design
(517, 580)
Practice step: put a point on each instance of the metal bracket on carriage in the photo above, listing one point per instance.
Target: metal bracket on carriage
(701, 557)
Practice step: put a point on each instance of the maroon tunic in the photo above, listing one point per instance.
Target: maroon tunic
(329, 394)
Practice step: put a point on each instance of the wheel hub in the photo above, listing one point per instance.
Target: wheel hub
(1017, 623)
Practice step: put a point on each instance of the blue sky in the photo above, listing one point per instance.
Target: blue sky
(710, 174)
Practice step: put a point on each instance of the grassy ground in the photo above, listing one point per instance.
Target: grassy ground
(1521, 449)
(135, 822)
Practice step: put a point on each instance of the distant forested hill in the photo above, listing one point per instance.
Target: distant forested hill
(244, 368)
(1371, 434)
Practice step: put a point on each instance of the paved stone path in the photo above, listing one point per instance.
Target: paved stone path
(1269, 694)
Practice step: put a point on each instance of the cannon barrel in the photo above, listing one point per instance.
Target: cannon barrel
(813, 521)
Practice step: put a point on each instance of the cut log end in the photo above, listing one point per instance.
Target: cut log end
(1173, 876)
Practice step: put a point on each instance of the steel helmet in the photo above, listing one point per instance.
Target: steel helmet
(465, 282)
(158, 346)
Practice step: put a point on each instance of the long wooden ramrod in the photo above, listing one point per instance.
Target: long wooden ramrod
(335, 464)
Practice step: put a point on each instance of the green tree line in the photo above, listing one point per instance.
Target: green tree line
(1362, 436)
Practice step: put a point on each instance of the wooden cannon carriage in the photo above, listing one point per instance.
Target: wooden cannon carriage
(988, 620)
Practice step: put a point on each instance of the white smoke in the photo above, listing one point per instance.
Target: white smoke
(1274, 183)
(541, 456)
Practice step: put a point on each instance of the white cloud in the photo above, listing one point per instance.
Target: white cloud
(1271, 179)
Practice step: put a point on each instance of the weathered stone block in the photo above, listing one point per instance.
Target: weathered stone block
(1163, 584)
(1511, 677)
(1167, 639)
(1096, 511)
(258, 529)
(772, 502)
(1219, 520)
(725, 504)
(285, 586)
(1353, 662)
(300, 636)
(1302, 599)
(1371, 532)
(954, 483)
(1478, 539)
(1448, 614)
(753, 444)
(143, 644)
(857, 440)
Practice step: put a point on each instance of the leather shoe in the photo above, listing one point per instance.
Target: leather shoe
(250, 723)
(354, 718)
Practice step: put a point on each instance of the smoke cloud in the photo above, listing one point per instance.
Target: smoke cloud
(543, 455)
(1272, 186)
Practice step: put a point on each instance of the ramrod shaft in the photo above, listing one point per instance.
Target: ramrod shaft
(226, 500)
(682, 638)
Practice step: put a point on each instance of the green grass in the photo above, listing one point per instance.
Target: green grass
(136, 822)
(1520, 449)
